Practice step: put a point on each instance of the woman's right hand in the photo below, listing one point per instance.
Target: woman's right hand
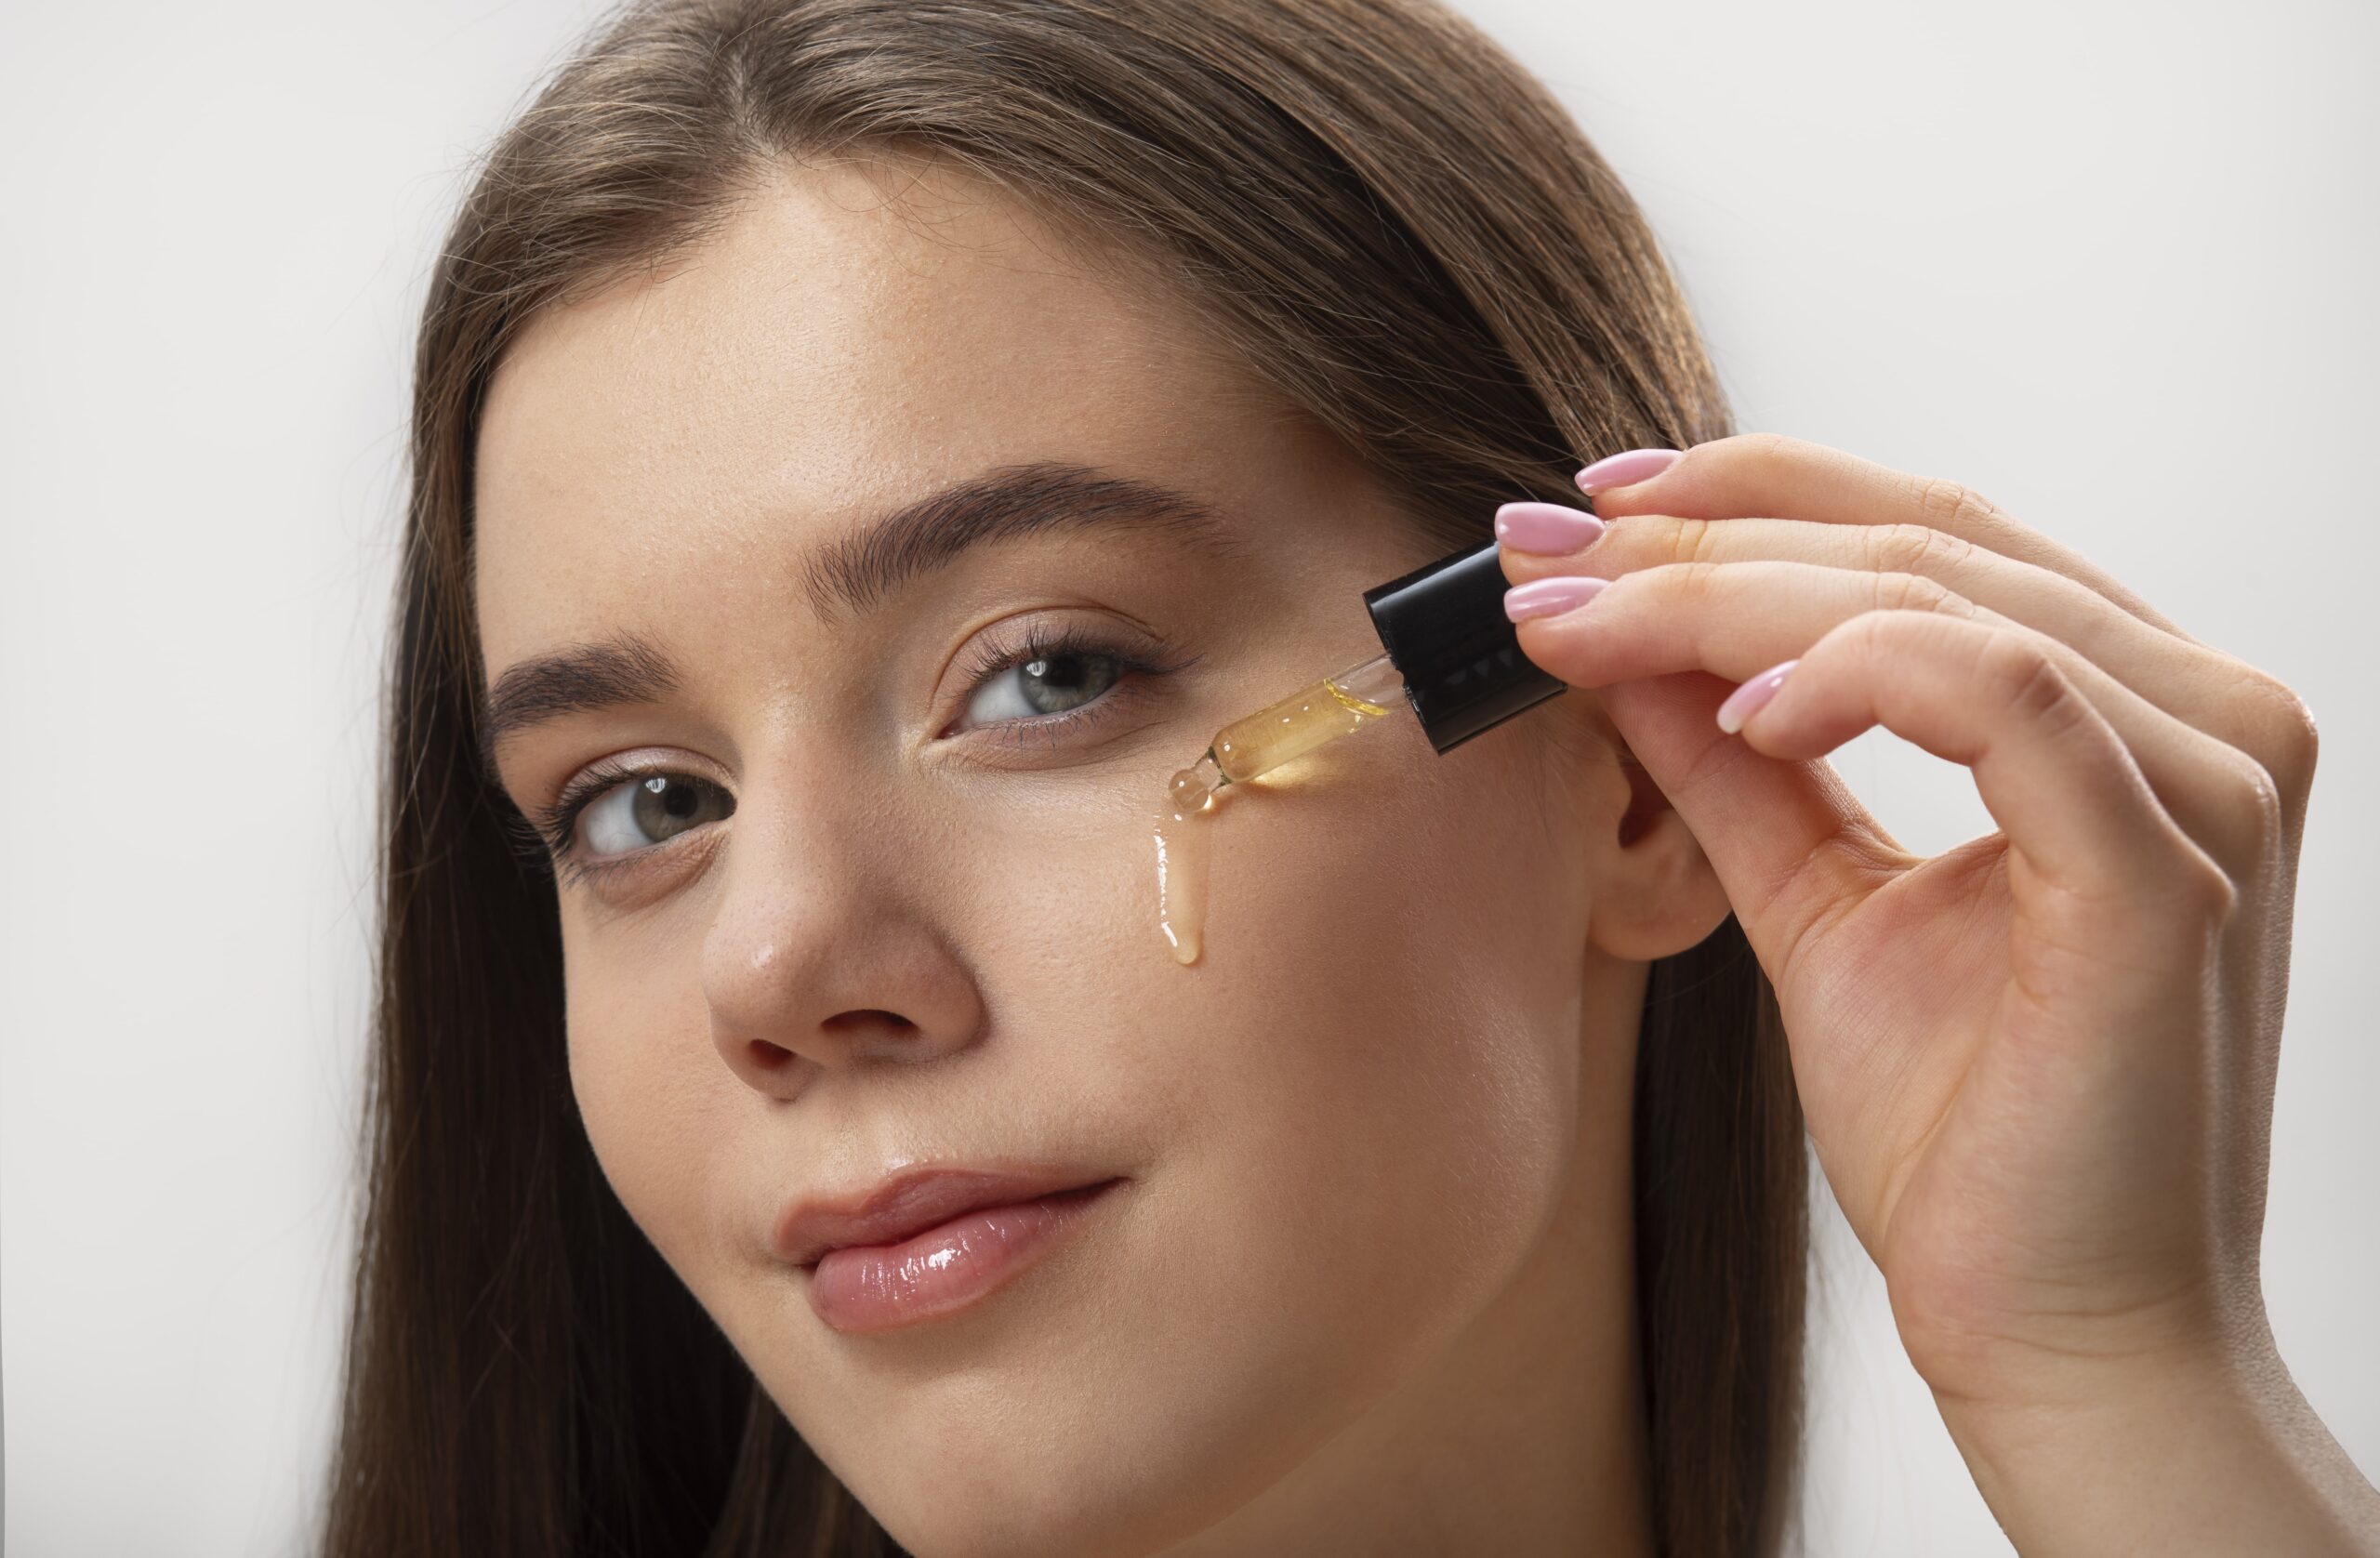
(2037, 1069)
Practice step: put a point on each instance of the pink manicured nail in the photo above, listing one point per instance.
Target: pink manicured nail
(1619, 470)
(1545, 597)
(1545, 527)
(1752, 695)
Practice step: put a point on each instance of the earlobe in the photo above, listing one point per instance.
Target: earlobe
(1654, 892)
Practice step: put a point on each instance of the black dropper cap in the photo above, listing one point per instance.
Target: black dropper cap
(1446, 632)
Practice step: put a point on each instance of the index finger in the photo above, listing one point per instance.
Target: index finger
(1772, 476)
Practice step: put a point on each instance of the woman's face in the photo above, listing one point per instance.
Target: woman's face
(896, 903)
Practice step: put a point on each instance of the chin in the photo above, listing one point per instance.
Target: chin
(1103, 1424)
(1012, 1483)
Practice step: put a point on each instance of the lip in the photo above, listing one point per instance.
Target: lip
(932, 1241)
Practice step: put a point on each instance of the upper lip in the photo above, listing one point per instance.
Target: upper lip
(911, 1202)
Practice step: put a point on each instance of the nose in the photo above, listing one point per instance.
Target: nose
(821, 956)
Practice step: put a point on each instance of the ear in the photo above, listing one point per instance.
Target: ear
(1652, 891)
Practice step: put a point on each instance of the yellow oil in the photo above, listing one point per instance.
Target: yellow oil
(1241, 751)
(1183, 847)
(1289, 729)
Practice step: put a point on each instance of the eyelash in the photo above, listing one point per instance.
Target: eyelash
(1045, 644)
(555, 827)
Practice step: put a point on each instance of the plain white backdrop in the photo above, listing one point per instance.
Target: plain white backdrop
(2112, 264)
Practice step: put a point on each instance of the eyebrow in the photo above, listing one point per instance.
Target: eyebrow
(856, 572)
(859, 572)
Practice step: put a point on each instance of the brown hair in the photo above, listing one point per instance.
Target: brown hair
(1398, 230)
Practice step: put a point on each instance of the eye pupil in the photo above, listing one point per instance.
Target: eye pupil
(664, 805)
(1054, 683)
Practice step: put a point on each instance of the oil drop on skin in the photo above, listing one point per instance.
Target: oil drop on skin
(1452, 658)
(1332, 707)
(1181, 853)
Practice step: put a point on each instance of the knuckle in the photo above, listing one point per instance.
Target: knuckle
(1951, 504)
(1915, 548)
(2261, 804)
(2278, 729)
(2206, 887)
(1915, 592)
(1693, 540)
(2025, 677)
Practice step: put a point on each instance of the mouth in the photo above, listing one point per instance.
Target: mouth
(930, 1243)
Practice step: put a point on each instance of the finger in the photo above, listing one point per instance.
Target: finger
(2099, 849)
(1771, 476)
(1765, 823)
(2050, 768)
(1737, 619)
(2198, 685)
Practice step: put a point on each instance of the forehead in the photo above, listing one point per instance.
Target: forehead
(857, 334)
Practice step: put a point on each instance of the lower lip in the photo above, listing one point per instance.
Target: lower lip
(881, 1288)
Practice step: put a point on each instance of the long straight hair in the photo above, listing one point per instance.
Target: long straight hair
(1398, 230)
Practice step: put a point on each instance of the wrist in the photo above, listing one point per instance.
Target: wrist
(2210, 1451)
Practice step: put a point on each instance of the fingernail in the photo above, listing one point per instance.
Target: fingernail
(1752, 695)
(1545, 597)
(1619, 470)
(1545, 527)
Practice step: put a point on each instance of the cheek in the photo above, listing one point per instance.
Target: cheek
(1354, 1115)
(641, 1072)
(1394, 1001)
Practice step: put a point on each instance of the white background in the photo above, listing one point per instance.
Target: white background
(2113, 265)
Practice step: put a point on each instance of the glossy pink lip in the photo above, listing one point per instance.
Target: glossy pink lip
(927, 1243)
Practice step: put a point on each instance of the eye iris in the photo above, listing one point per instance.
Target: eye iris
(666, 806)
(1054, 683)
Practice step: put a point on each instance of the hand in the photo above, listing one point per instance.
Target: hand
(2037, 1069)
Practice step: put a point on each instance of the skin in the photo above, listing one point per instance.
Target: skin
(2037, 1069)
(1365, 1289)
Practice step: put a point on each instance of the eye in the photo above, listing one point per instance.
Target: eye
(1046, 681)
(646, 810)
(1059, 682)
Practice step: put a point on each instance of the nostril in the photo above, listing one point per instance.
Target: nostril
(867, 1017)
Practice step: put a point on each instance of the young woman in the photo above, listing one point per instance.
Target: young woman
(861, 451)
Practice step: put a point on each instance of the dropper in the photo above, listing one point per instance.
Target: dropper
(1334, 706)
(1453, 658)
